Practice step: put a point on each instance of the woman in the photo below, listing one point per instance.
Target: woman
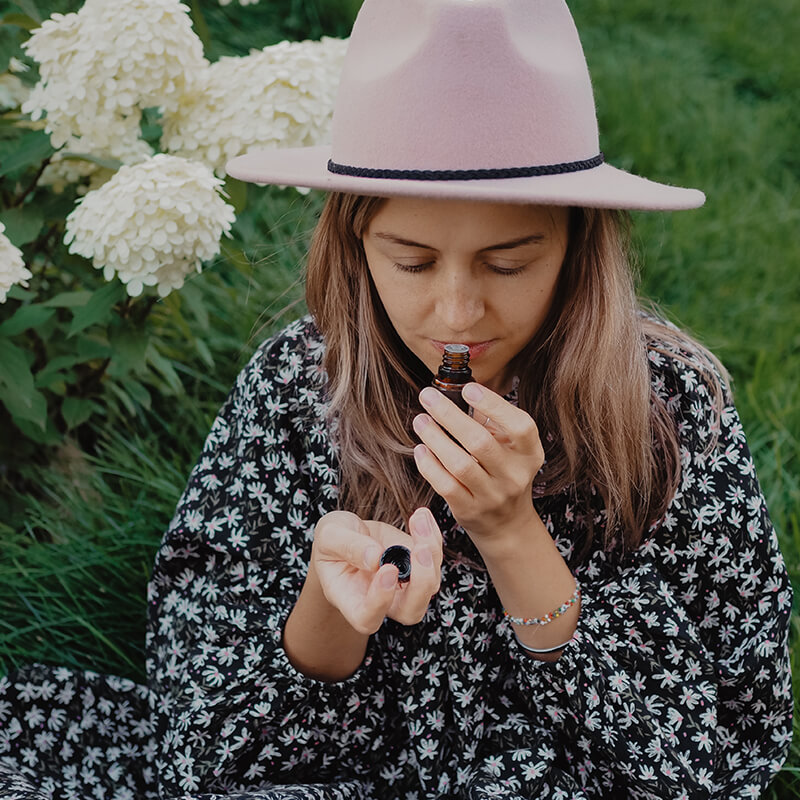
(597, 605)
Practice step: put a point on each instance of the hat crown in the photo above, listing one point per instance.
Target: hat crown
(464, 85)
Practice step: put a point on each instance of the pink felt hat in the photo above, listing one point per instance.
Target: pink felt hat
(468, 99)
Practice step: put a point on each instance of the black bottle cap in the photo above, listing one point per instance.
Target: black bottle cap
(401, 557)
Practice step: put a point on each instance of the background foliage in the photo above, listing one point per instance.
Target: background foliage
(704, 95)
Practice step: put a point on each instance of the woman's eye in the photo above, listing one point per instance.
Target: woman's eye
(509, 271)
(496, 268)
(411, 267)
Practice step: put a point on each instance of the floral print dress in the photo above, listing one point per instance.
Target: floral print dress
(675, 685)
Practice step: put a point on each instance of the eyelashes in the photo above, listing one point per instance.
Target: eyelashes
(415, 269)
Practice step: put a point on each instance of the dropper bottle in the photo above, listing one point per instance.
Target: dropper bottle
(454, 374)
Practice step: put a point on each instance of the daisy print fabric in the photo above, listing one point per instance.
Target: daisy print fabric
(676, 683)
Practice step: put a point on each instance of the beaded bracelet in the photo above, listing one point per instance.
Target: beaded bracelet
(576, 595)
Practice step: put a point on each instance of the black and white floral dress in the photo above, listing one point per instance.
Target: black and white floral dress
(675, 685)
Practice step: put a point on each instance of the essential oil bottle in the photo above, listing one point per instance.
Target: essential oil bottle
(454, 374)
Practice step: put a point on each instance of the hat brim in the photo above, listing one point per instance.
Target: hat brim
(600, 187)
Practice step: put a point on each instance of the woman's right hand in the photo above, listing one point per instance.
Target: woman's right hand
(345, 557)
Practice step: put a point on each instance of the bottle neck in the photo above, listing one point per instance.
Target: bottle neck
(455, 364)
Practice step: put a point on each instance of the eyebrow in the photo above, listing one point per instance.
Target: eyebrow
(535, 238)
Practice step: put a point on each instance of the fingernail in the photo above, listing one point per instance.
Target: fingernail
(425, 558)
(421, 421)
(388, 579)
(429, 397)
(420, 451)
(472, 392)
(422, 524)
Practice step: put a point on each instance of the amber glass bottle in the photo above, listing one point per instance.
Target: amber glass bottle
(454, 374)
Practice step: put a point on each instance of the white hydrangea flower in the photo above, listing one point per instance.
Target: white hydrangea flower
(13, 92)
(12, 267)
(101, 66)
(62, 171)
(152, 224)
(281, 96)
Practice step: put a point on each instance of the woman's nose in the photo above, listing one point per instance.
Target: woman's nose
(459, 303)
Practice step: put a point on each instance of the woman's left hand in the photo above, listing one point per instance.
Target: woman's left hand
(487, 482)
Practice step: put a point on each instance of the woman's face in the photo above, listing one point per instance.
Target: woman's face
(474, 273)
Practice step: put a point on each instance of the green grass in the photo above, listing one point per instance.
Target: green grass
(698, 94)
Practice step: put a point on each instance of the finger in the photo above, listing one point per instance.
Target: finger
(334, 542)
(366, 613)
(426, 558)
(459, 462)
(442, 481)
(425, 534)
(473, 437)
(504, 417)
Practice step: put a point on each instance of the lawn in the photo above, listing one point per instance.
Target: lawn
(698, 94)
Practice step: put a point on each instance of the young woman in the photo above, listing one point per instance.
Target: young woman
(597, 605)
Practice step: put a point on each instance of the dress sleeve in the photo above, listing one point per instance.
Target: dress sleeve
(233, 710)
(677, 682)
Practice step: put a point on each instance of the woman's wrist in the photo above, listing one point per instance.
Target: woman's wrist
(318, 640)
(502, 544)
(532, 581)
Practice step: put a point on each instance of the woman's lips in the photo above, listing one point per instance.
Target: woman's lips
(475, 348)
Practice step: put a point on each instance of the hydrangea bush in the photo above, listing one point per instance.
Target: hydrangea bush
(151, 224)
(116, 128)
(140, 53)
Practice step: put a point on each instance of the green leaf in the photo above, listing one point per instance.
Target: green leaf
(98, 309)
(108, 163)
(237, 193)
(196, 302)
(138, 392)
(128, 348)
(123, 396)
(52, 369)
(22, 224)
(164, 366)
(24, 318)
(200, 25)
(9, 47)
(48, 435)
(90, 348)
(21, 21)
(29, 8)
(16, 292)
(32, 148)
(57, 206)
(17, 391)
(69, 299)
(204, 352)
(76, 410)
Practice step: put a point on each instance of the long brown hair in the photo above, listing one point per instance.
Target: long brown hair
(584, 378)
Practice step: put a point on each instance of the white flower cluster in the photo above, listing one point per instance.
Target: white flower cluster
(281, 96)
(152, 224)
(62, 171)
(101, 66)
(12, 267)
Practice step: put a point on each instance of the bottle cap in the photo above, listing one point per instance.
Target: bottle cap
(401, 557)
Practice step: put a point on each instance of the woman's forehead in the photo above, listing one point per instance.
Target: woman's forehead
(427, 221)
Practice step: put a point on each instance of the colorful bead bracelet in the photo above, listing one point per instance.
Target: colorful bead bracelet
(576, 595)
